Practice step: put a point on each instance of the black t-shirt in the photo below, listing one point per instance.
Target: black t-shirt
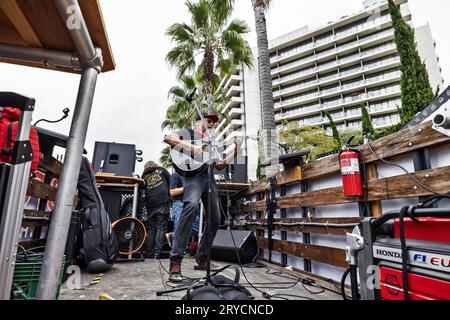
(157, 181)
(176, 181)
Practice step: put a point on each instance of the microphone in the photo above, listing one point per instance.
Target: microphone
(191, 96)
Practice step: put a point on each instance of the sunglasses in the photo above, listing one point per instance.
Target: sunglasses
(209, 121)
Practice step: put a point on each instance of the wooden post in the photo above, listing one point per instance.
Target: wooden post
(375, 206)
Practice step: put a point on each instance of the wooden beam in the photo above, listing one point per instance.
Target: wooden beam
(41, 190)
(51, 165)
(375, 206)
(397, 187)
(396, 144)
(327, 255)
(14, 13)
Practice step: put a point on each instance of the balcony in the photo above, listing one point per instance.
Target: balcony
(235, 112)
(339, 36)
(235, 79)
(234, 90)
(378, 80)
(234, 102)
(347, 60)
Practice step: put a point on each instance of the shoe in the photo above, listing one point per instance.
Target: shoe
(203, 266)
(169, 238)
(175, 272)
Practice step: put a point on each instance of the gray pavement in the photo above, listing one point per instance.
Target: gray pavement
(141, 281)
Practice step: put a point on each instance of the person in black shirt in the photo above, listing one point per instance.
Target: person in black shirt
(196, 188)
(157, 202)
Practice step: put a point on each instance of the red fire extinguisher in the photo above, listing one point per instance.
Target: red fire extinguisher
(351, 175)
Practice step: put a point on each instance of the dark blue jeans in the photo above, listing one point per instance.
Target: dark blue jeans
(196, 188)
(157, 224)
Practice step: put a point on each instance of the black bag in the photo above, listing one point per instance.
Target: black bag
(99, 243)
(221, 288)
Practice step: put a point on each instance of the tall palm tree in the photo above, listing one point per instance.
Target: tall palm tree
(265, 79)
(209, 43)
(182, 114)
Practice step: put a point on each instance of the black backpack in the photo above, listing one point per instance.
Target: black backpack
(99, 243)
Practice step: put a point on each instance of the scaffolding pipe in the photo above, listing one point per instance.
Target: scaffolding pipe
(70, 12)
(48, 58)
(59, 228)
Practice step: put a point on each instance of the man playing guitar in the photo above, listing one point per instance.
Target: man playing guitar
(196, 188)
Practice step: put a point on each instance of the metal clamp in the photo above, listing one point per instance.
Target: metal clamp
(441, 121)
(355, 243)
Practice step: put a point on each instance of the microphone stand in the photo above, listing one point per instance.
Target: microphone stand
(207, 280)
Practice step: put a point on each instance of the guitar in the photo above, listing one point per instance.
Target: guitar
(187, 164)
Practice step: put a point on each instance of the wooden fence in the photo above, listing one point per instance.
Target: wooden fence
(412, 143)
(42, 193)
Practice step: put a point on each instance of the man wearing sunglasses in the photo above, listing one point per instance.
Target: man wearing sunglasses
(196, 188)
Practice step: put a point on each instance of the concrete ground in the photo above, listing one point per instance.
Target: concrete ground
(141, 281)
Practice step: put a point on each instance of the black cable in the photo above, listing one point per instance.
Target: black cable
(404, 252)
(344, 277)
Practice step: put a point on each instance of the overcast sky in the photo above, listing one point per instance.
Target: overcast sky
(130, 102)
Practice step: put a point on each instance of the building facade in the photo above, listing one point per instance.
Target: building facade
(338, 67)
(334, 68)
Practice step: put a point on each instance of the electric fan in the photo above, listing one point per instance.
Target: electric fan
(130, 235)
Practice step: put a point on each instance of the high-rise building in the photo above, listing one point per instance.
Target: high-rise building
(243, 120)
(342, 65)
(337, 68)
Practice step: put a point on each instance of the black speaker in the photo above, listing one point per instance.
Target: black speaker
(115, 158)
(223, 248)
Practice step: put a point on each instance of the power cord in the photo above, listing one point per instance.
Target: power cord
(408, 173)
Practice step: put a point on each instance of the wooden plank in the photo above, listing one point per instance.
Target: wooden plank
(93, 16)
(35, 223)
(289, 176)
(9, 34)
(375, 206)
(33, 214)
(41, 190)
(397, 187)
(51, 165)
(404, 187)
(327, 255)
(396, 144)
(14, 13)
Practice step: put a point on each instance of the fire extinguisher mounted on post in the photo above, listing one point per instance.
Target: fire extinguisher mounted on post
(352, 165)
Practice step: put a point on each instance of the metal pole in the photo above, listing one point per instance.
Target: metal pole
(135, 199)
(59, 227)
(70, 12)
(46, 57)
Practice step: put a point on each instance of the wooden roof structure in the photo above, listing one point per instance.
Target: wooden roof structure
(38, 24)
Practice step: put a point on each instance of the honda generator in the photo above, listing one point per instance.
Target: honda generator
(404, 255)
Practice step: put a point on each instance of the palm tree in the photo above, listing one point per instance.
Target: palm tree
(182, 114)
(209, 43)
(265, 79)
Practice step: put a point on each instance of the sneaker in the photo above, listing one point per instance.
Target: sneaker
(175, 272)
(169, 238)
(204, 266)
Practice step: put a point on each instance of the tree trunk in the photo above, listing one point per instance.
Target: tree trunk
(208, 76)
(265, 81)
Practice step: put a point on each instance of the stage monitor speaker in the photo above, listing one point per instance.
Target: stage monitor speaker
(223, 248)
(115, 158)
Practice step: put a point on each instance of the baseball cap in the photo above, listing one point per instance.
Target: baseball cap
(211, 116)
